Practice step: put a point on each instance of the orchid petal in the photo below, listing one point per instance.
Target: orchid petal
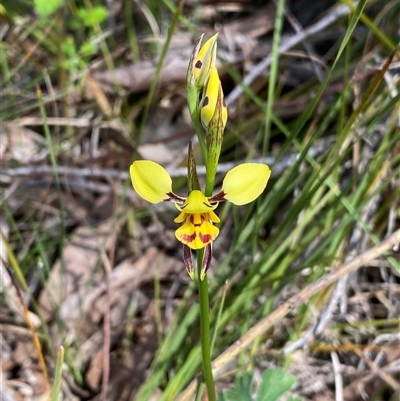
(188, 261)
(213, 217)
(206, 261)
(245, 183)
(151, 181)
(197, 203)
(180, 218)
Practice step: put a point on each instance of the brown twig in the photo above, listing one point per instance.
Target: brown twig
(108, 263)
(35, 337)
(279, 166)
(106, 326)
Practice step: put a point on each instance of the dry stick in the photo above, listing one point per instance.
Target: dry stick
(307, 45)
(108, 263)
(337, 376)
(106, 326)
(386, 377)
(279, 166)
(81, 122)
(35, 337)
(291, 304)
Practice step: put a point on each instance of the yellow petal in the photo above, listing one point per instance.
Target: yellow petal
(210, 97)
(180, 218)
(213, 217)
(197, 231)
(245, 182)
(197, 203)
(151, 181)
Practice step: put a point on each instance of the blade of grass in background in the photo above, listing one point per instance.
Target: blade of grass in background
(56, 389)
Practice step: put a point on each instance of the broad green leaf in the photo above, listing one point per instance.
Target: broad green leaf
(275, 383)
(47, 7)
(242, 389)
(94, 16)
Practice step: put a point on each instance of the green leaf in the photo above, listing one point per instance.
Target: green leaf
(88, 48)
(275, 382)
(93, 16)
(47, 7)
(241, 391)
(55, 392)
(68, 46)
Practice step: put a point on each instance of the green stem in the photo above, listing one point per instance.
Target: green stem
(209, 185)
(200, 136)
(205, 329)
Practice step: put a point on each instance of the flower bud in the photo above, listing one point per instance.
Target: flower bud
(190, 76)
(212, 106)
(204, 63)
(201, 63)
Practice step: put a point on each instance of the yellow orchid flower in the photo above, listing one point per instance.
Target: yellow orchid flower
(241, 185)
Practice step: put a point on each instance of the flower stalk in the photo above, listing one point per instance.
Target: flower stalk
(205, 331)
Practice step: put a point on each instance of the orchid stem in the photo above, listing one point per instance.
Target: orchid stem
(200, 137)
(205, 332)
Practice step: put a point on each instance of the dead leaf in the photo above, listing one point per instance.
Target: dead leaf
(124, 279)
(71, 277)
(20, 144)
(93, 89)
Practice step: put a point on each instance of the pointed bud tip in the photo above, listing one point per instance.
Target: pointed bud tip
(204, 61)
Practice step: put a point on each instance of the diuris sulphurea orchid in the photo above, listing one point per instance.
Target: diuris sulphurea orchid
(241, 185)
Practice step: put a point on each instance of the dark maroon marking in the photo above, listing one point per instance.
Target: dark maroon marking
(189, 238)
(199, 64)
(219, 197)
(205, 101)
(205, 238)
(174, 198)
(206, 204)
(206, 259)
(187, 259)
